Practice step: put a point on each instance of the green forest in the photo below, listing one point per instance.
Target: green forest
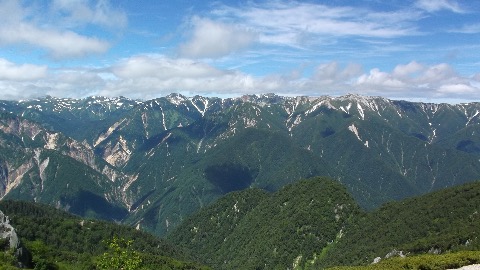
(59, 240)
(310, 224)
(315, 224)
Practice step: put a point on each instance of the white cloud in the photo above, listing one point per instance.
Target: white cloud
(457, 89)
(26, 72)
(468, 29)
(419, 81)
(215, 39)
(59, 44)
(155, 75)
(14, 90)
(332, 74)
(151, 76)
(437, 74)
(404, 71)
(77, 83)
(295, 24)
(82, 12)
(437, 5)
(22, 25)
(161, 67)
(377, 78)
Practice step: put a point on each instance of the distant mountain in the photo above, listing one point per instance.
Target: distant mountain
(152, 163)
(314, 224)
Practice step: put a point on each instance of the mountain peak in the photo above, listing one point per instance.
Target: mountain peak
(176, 98)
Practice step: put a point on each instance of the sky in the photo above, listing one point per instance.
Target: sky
(420, 50)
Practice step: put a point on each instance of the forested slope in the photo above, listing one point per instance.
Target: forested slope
(58, 239)
(314, 224)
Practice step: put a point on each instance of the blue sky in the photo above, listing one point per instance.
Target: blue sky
(425, 50)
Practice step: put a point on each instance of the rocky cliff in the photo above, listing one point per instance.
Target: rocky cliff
(11, 243)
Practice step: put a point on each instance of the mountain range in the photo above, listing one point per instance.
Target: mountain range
(151, 164)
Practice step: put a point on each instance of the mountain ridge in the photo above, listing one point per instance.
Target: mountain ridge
(163, 158)
(315, 224)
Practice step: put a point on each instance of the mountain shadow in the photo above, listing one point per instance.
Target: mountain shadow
(87, 204)
(468, 146)
(229, 177)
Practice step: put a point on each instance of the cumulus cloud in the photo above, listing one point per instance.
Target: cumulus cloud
(162, 67)
(155, 75)
(404, 71)
(74, 83)
(60, 44)
(437, 5)
(419, 81)
(332, 73)
(457, 89)
(377, 78)
(20, 26)
(160, 75)
(26, 72)
(151, 76)
(334, 70)
(215, 39)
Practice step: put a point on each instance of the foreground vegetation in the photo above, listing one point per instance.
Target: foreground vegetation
(422, 262)
(58, 240)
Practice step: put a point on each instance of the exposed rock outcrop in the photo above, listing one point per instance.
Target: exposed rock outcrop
(8, 234)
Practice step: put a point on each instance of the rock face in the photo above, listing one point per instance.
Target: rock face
(8, 233)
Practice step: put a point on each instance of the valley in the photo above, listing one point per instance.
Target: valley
(150, 164)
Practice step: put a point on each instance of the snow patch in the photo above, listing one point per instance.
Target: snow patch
(320, 104)
(354, 129)
(205, 106)
(471, 117)
(360, 111)
(433, 136)
(296, 122)
(163, 119)
(346, 109)
(176, 99)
